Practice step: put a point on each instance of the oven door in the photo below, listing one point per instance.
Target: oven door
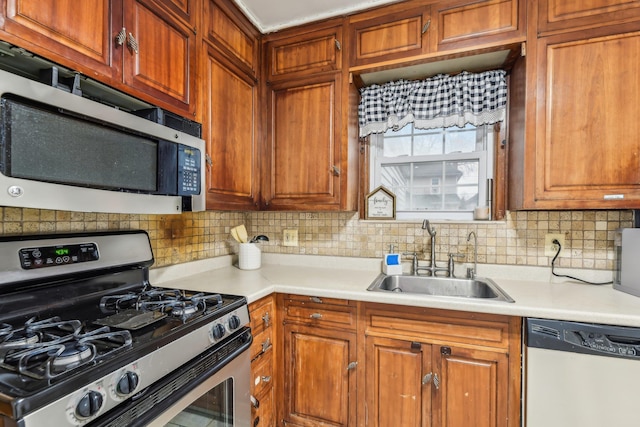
(223, 400)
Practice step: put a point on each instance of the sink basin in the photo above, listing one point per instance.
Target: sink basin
(478, 287)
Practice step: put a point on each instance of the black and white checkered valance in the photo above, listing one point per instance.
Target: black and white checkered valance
(437, 102)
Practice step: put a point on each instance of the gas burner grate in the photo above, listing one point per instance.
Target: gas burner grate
(49, 348)
(173, 302)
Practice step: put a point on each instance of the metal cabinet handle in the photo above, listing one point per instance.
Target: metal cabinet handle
(254, 402)
(426, 26)
(132, 43)
(121, 37)
(266, 319)
(335, 170)
(316, 316)
(338, 45)
(266, 345)
(352, 366)
(208, 160)
(431, 378)
(316, 300)
(266, 379)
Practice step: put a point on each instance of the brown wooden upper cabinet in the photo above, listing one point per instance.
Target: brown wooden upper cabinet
(231, 107)
(311, 53)
(144, 47)
(408, 30)
(581, 148)
(570, 15)
(309, 163)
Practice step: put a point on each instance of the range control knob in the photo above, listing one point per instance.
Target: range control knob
(127, 383)
(218, 331)
(89, 404)
(234, 322)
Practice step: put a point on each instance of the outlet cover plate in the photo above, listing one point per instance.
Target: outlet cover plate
(550, 249)
(290, 238)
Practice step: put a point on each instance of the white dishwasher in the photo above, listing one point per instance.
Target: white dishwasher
(581, 374)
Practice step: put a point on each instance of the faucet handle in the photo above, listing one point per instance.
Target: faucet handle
(451, 264)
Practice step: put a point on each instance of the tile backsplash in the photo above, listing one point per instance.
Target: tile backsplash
(518, 240)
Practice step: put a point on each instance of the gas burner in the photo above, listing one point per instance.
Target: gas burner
(34, 332)
(72, 354)
(170, 301)
(179, 305)
(55, 354)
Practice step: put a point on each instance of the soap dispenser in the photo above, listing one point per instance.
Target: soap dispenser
(392, 264)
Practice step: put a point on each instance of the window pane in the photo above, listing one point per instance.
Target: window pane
(397, 178)
(396, 147)
(462, 141)
(427, 144)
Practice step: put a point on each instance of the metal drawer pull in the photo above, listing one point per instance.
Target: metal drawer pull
(254, 402)
(132, 43)
(266, 345)
(266, 379)
(338, 45)
(121, 37)
(431, 377)
(352, 365)
(426, 26)
(266, 319)
(316, 300)
(316, 316)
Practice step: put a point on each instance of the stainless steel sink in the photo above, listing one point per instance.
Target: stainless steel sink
(478, 287)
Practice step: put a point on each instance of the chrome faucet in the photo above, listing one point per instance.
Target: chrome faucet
(471, 272)
(431, 268)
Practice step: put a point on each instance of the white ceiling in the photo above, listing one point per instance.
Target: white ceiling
(274, 15)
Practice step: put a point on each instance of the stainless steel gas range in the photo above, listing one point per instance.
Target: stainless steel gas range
(85, 339)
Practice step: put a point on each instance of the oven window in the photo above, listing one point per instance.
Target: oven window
(213, 409)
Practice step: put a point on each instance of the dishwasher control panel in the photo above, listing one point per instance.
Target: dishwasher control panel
(590, 338)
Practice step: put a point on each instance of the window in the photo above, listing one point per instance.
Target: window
(434, 173)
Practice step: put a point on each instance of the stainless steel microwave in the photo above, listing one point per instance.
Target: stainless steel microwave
(61, 151)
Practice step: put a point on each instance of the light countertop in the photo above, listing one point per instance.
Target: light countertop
(535, 291)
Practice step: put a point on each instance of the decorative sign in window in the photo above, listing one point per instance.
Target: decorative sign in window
(380, 204)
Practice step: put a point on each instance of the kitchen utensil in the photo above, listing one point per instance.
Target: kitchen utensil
(239, 233)
(260, 237)
(242, 233)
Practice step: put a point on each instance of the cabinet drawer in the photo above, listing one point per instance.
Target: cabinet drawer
(262, 373)
(313, 52)
(262, 343)
(438, 326)
(261, 313)
(341, 314)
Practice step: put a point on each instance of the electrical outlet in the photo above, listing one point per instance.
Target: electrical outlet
(550, 248)
(290, 238)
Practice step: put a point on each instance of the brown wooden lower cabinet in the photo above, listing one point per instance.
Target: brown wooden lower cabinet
(397, 366)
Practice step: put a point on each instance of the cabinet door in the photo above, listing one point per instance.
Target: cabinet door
(319, 382)
(568, 15)
(303, 160)
(230, 132)
(465, 23)
(313, 52)
(70, 32)
(473, 388)
(390, 33)
(395, 394)
(587, 151)
(159, 55)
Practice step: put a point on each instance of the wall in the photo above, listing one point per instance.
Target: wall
(518, 240)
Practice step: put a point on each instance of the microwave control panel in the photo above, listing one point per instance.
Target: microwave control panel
(189, 173)
(50, 256)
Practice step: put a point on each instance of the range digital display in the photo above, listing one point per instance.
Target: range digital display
(51, 256)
